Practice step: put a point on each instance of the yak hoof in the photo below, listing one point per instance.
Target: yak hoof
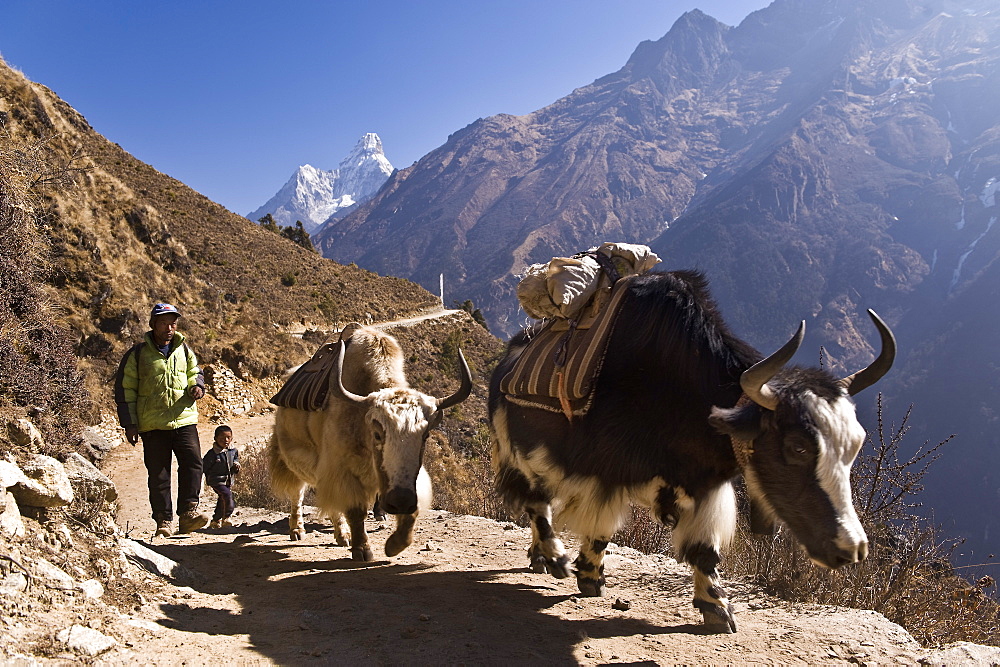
(590, 588)
(343, 541)
(718, 619)
(557, 567)
(362, 554)
(296, 535)
(537, 565)
(396, 543)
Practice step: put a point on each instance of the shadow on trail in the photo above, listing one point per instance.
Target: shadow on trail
(334, 609)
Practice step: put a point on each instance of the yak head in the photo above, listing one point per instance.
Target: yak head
(796, 435)
(397, 421)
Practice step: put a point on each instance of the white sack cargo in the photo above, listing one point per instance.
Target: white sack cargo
(574, 288)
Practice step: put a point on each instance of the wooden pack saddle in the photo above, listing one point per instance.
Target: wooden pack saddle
(308, 386)
(558, 369)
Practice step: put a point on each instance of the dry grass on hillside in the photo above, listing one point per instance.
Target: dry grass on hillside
(38, 373)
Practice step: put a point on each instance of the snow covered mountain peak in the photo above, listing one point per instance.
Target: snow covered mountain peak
(314, 195)
(364, 170)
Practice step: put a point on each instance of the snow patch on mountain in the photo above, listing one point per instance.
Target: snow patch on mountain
(988, 197)
(314, 195)
(957, 274)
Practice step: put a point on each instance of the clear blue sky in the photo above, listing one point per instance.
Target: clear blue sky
(231, 97)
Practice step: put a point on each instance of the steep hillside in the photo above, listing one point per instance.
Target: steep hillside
(126, 235)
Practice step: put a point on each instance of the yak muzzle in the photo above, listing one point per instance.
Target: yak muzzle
(836, 557)
(400, 501)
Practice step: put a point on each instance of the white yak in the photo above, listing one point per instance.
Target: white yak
(367, 441)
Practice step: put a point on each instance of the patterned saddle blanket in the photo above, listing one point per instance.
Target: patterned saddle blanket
(307, 387)
(558, 369)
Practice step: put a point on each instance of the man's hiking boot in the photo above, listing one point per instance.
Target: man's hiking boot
(191, 521)
(227, 523)
(163, 528)
(216, 524)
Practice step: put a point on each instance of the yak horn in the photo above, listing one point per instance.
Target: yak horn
(336, 382)
(754, 379)
(463, 391)
(869, 376)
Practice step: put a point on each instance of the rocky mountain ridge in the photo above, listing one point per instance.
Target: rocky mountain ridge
(816, 160)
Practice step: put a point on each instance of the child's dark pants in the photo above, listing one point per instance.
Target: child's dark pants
(225, 505)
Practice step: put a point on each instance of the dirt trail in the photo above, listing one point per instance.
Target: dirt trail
(460, 594)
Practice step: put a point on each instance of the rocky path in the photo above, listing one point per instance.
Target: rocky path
(460, 595)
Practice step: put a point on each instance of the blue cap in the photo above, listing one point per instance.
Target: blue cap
(165, 309)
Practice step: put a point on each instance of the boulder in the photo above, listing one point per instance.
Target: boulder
(13, 584)
(10, 475)
(52, 576)
(23, 432)
(96, 444)
(962, 653)
(84, 640)
(87, 481)
(11, 524)
(156, 563)
(92, 588)
(46, 483)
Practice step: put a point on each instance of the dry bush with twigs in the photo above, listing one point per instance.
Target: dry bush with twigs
(252, 487)
(463, 474)
(38, 370)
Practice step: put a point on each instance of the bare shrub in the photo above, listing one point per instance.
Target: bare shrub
(463, 477)
(38, 369)
(91, 511)
(252, 486)
(643, 533)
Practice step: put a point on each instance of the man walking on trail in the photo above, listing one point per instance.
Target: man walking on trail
(156, 387)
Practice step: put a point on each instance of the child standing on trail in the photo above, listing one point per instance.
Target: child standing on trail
(220, 464)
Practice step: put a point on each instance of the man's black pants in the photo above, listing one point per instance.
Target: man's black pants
(157, 449)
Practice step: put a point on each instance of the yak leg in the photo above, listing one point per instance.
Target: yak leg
(547, 553)
(402, 537)
(704, 527)
(287, 484)
(359, 538)
(590, 566)
(377, 512)
(341, 531)
(296, 525)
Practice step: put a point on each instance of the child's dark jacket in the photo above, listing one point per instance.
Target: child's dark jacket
(219, 466)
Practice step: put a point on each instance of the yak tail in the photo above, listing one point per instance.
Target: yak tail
(284, 482)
